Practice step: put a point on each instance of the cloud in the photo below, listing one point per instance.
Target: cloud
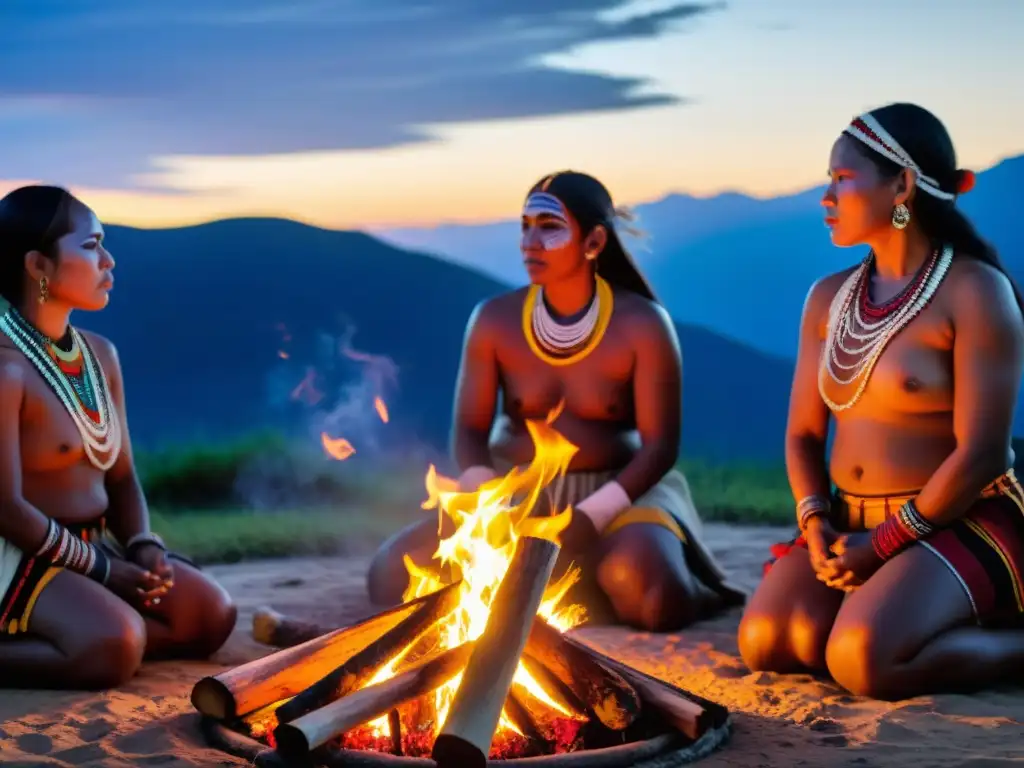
(92, 96)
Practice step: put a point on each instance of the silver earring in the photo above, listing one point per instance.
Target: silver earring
(900, 216)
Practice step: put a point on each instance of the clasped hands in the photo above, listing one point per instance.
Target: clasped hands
(144, 579)
(842, 561)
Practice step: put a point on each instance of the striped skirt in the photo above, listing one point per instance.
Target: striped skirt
(983, 549)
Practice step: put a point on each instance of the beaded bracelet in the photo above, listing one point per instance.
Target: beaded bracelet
(65, 550)
(145, 539)
(811, 506)
(900, 531)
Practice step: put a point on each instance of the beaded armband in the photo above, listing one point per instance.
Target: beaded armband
(812, 506)
(142, 540)
(65, 550)
(900, 531)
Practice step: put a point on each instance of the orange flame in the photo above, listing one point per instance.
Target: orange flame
(488, 523)
(337, 447)
(382, 409)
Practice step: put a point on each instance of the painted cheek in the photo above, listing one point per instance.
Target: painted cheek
(553, 239)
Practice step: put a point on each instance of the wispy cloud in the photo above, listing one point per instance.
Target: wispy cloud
(93, 96)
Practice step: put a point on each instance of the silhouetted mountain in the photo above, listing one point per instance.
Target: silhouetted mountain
(218, 324)
(737, 265)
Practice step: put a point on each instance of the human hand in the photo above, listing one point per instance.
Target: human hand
(820, 536)
(154, 559)
(854, 562)
(134, 584)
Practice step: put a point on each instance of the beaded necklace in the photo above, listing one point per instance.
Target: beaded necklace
(859, 331)
(76, 378)
(558, 344)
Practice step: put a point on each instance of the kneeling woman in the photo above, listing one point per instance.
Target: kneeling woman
(87, 590)
(909, 578)
(589, 335)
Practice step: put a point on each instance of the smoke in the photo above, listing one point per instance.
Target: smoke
(341, 399)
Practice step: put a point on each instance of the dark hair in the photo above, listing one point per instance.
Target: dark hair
(926, 140)
(32, 218)
(591, 205)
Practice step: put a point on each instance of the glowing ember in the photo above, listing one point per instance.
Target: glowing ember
(337, 447)
(382, 409)
(488, 523)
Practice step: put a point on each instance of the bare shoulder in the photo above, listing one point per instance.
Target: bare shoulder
(977, 290)
(104, 350)
(493, 315)
(643, 319)
(821, 294)
(13, 367)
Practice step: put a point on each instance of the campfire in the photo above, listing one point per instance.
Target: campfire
(474, 666)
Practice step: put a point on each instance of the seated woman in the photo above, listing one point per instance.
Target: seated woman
(589, 335)
(908, 579)
(87, 590)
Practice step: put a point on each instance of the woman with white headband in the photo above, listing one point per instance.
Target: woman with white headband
(588, 335)
(909, 576)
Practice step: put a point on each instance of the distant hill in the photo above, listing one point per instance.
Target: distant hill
(739, 266)
(730, 262)
(217, 326)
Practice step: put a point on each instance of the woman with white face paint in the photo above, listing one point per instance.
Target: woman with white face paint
(586, 338)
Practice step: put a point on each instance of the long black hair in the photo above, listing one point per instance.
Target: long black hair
(923, 136)
(591, 205)
(32, 218)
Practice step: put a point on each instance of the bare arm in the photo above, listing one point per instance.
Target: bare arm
(476, 393)
(128, 513)
(988, 355)
(657, 394)
(20, 522)
(808, 421)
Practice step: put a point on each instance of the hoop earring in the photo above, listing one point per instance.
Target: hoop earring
(44, 290)
(900, 216)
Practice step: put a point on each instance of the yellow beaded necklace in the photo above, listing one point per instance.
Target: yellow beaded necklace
(605, 300)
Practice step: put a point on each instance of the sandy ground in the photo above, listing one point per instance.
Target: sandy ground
(778, 721)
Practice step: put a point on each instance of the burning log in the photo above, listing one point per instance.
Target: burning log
(296, 739)
(687, 712)
(360, 668)
(259, 683)
(465, 740)
(611, 698)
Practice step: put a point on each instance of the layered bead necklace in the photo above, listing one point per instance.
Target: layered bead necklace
(566, 343)
(76, 378)
(859, 331)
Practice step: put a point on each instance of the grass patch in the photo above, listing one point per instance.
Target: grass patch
(750, 494)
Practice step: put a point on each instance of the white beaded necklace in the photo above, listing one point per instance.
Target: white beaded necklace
(863, 340)
(557, 337)
(102, 440)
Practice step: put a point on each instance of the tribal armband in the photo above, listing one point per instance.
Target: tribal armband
(815, 505)
(65, 550)
(900, 531)
(142, 540)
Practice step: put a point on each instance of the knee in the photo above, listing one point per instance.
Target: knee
(762, 642)
(219, 615)
(111, 655)
(857, 662)
(655, 602)
(387, 577)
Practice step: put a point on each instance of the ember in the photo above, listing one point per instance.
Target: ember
(476, 668)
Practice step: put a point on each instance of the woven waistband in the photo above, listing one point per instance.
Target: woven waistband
(869, 511)
(998, 487)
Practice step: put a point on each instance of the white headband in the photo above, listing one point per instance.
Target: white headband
(869, 131)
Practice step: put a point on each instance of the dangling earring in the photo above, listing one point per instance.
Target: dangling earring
(44, 290)
(900, 216)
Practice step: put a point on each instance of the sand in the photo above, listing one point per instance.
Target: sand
(778, 721)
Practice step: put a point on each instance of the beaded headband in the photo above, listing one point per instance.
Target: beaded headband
(870, 132)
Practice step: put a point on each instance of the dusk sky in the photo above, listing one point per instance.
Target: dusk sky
(351, 113)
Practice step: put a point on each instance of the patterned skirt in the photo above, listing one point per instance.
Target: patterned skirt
(983, 549)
